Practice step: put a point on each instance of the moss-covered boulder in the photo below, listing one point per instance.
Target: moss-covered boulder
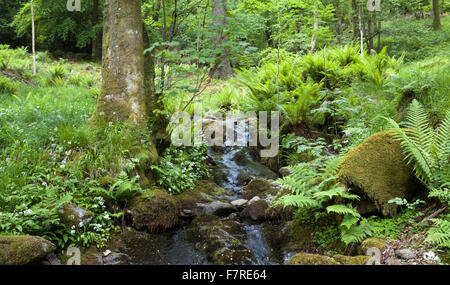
(223, 241)
(255, 211)
(317, 259)
(378, 170)
(23, 250)
(310, 259)
(154, 211)
(258, 187)
(74, 216)
(370, 243)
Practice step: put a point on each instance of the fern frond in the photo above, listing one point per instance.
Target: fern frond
(357, 233)
(439, 234)
(343, 209)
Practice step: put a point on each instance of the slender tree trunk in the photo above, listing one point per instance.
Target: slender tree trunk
(33, 36)
(163, 64)
(96, 41)
(379, 36)
(436, 15)
(337, 7)
(370, 34)
(315, 27)
(355, 19)
(123, 94)
(222, 67)
(361, 27)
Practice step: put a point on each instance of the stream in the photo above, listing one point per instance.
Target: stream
(174, 247)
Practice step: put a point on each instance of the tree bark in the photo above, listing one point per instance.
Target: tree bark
(33, 36)
(96, 40)
(163, 65)
(122, 95)
(315, 27)
(361, 27)
(337, 7)
(222, 67)
(436, 15)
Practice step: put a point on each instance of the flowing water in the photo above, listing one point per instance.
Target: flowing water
(173, 248)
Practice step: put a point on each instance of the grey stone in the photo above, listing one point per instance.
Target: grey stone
(406, 253)
(218, 208)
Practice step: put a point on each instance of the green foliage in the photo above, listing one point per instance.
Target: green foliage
(180, 168)
(392, 228)
(315, 184)
(7, 86)
(439, 233)
(122, 190)
(426, 149)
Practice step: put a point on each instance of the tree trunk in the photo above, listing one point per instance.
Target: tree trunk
(315, 28)
(355, 19)
(222, 67)
(361, 27)
(337, 7)
(96, 41)
(436, 15)
(379, 36)
(33, 36)
(122, 95)
(370, 34)
(163, 65)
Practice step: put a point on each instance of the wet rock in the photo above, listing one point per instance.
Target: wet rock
(74, 216)
(116, 258)
(220, 177)
(406, 253)
(23, 250)
(223, 241)
(157, 213)
(284, 172)
(241, 157)
(239, 203)
(258, 187)
(255, 211)
(218, 208)
(254, 200)
(244, 178)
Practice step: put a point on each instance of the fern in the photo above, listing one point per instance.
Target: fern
(344, 210)
(439, 234)
(356, 233)
(313, 184)
(428, 150)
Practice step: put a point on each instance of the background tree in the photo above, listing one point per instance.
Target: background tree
(436, 15)
(123, 95)
(222, 66)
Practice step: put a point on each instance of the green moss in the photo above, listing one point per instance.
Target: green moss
(372, 242)
(159, 212)
(351, 260)
(22, 250)
(258, 187)
(316, 259)
(377, 168)
(310, 259)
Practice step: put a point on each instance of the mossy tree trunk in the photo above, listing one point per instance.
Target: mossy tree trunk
(222, 67)
(436, 15)
(123, 95)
